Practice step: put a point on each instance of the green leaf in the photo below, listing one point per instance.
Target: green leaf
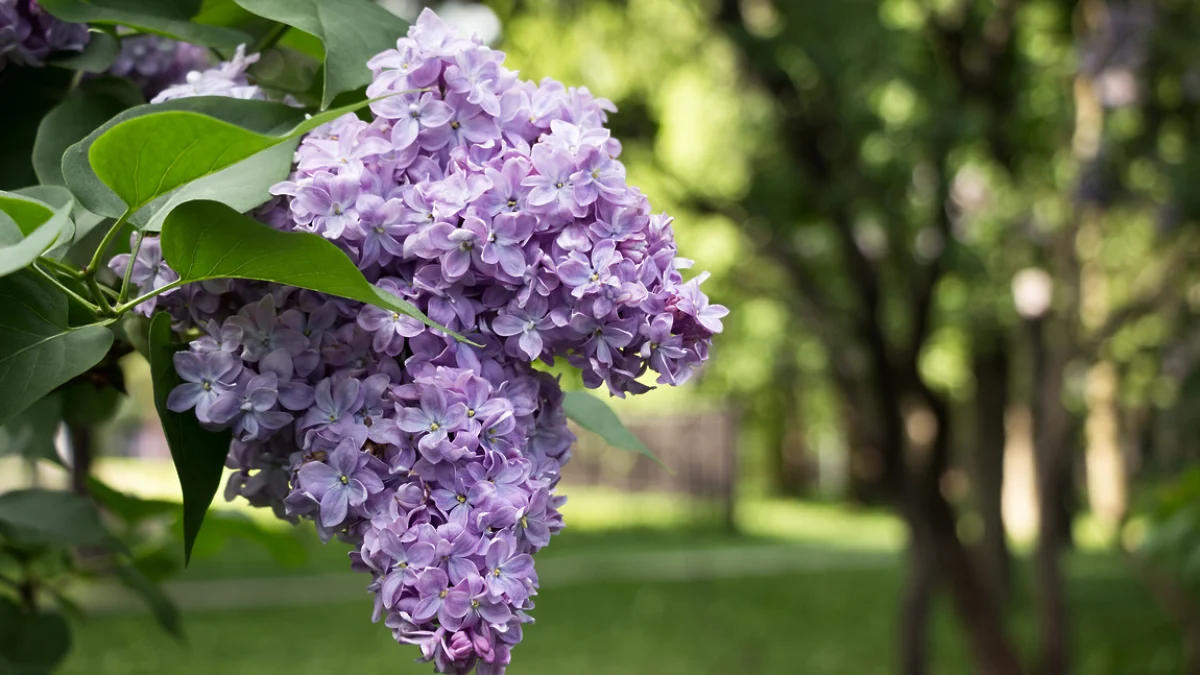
(164, 610)
(128, 508)
(352, 31)
(51, 517)
(260, 116)
(31, 644)
(57, 197)
(38, 350)
(207, 240)
(27, 213)
(242, 186)
(287, 70)
(168, 18)
(41, 225)
(103, 48)
(89, 106)
(199, 454)
(222, 526)
(31, 435)
(158, 156)
(594, 415)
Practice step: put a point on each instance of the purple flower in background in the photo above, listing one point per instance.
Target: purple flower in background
(219, 338)
(155, 63)
(227, 79)
(29, 34)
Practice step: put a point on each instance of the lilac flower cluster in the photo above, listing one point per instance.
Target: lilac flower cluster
(29, 34)
(498, 207)
(155, 63)
(225, 79)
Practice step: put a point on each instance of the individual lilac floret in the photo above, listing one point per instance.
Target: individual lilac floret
(208, 375)
(344, 482)
(498, 207)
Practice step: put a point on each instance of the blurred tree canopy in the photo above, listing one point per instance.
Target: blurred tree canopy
(884, 190)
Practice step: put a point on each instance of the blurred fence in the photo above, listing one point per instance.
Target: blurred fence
(699, 449)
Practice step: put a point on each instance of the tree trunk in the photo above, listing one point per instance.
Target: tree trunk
(789, 452)
(915, 610)
(1051, 433)
(934, 518)
(81, 457)
(1107, 474)
(991, 402)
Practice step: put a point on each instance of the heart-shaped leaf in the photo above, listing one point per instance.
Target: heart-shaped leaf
(85, 109)
(57, 197)
(41, 226)
(198, 453)
(358, 30)
(38, 350)
(158, 155)
(208, 240)
(259, 116)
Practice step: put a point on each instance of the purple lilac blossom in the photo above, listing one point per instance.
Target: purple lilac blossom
(155, 63)
(30, 34)
(497, 206)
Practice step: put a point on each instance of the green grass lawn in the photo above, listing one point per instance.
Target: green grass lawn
(831, 622)
(835, 616)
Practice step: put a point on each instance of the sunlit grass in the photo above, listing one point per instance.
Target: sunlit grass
(826, 621)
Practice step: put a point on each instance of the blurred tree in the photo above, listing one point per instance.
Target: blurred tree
(869, 181)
